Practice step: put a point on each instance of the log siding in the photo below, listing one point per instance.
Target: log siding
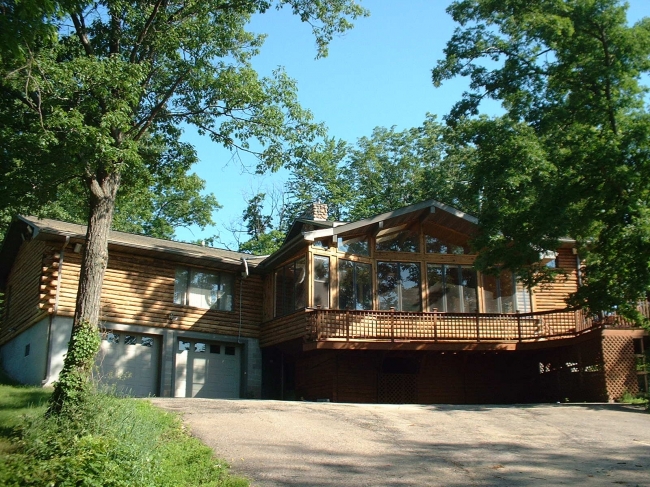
(137, 290)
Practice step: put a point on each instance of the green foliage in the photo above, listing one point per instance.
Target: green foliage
(570, 156)
(263, 239)
(385, 171)
(96, 104)
(641, 399)
(75, 385)
(108, 441)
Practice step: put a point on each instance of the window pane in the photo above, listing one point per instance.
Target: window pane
(523, 299)
(300, 284)
(346, 284)
(437, 245)
(436, 285)
(363, 285)
(356, 246)
(453, 289)
(507, 290)
(183, 346)
(279, 292)
(409, 287)
(407, 241)
(130, 340)
(387, 282)
(180, 286)
(468, 276)
(321, 281)
(224, 293)
(204, 289)
(355, 285)
(146, 342)
(199, 347)
(111, 337)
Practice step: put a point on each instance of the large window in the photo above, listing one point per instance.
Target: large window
(290, 288)
(355, 285)
(502, 294)
(355, 245)
(398, 284)
(321, 281)
(405, 241)
(437, 245)
(207, 290)
(452, 288)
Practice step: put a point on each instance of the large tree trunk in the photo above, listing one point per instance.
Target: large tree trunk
(75, 378)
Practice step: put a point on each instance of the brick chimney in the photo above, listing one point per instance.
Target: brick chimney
(317, 211)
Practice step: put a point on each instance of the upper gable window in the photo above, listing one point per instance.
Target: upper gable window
(207, 290)
(437, 245)
(355, 246)
(405, 241)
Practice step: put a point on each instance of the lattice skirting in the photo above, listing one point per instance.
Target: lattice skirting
(398, 389)
(620, 366)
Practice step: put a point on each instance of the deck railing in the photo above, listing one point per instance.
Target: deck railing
(373, 325)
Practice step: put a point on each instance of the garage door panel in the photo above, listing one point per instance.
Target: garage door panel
(202, 370)
(130, 362)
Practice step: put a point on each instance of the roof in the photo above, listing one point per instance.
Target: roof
(47, 229)
(304, 231)
(430, 210)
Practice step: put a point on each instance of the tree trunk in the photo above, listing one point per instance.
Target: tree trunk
(75, 378)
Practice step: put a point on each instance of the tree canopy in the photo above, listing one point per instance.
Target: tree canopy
(95, 92)
(570, 155)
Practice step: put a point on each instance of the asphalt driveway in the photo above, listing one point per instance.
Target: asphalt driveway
(321, 444)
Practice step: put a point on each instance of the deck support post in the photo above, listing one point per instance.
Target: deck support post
(392, 324)
(518, 324)
(478, 326)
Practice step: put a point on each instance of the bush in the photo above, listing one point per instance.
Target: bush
(110, 441)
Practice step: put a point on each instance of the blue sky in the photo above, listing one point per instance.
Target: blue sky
(376, 75)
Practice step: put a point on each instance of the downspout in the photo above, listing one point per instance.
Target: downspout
(579, 272)
(54, 312)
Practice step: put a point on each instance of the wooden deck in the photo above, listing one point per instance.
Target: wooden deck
(371, 326)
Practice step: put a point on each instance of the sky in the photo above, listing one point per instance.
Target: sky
(376, 75)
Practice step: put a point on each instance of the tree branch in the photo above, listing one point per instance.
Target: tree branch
(80, 29)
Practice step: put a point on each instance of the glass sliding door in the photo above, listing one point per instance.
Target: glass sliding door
(398, 285)
(452, 288)
(355, 285)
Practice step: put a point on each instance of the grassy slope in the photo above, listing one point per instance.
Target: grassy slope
(111, 442)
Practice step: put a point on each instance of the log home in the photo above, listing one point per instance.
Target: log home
(387, 309)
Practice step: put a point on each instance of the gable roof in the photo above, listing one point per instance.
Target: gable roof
(24, 228)
(430, 211)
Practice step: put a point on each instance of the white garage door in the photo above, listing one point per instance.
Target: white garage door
(205, 369)
(130, 361)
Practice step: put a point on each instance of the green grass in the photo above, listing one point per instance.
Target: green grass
(110, 441)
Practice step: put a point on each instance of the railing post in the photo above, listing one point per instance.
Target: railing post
(478, 326)
(392, 324)
(518, 324)
(435, 324)
(347, 325)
